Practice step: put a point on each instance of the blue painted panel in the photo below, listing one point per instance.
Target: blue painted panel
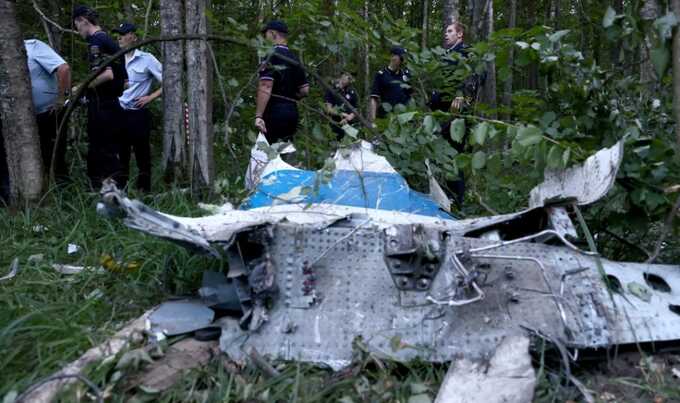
(376, 190)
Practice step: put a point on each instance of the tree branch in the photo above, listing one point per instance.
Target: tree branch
(49, 21)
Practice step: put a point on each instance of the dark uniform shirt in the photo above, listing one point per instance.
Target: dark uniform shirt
(392, 87)
(441, 99)
(335, 99)
(288, 77)
(101, 47)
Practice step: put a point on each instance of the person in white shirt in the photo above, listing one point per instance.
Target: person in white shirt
(142, 70)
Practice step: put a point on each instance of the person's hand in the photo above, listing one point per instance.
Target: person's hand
(143, 101)
(345, 116)
(342, 122)
(260, 125)
(457, 104)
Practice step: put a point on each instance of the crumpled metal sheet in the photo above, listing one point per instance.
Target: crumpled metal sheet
(585, 183)
(179, 317)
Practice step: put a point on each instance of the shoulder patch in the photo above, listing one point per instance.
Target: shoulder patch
(381, 72)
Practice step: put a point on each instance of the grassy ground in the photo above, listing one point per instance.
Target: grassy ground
(48, 319)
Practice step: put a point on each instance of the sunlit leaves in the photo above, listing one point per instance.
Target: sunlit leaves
(479, 133)
(457, 130)
(478, 160)
(529, 135)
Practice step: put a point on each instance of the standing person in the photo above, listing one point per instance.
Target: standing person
(50, 83)
(103, 109)
(336, 108)
(457, 100)
(282, 83)
(142, 69)
(391, 84)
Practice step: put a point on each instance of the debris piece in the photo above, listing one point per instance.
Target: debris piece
(71, 269)
(95, 294)
(508, 377)
(436, 192)
(72, 249)
(179, 317)
(640, 291)
(134, 359)
(34, 259)
(208, 333)
(261, 363)
(180, 357)
(48, 391)
(587, 182)
(116, 266)
(13, 270)
(39, 228)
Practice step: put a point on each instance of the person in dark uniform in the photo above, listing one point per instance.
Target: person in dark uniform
(336, 107)
(457, 98)
(391, 84)
(282, 84)
(103, 109)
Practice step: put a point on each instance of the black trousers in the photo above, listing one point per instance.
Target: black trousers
(4, 171)
(104, 134)
(48, 125)
(457, 187)
(136, 138)
(281, 119)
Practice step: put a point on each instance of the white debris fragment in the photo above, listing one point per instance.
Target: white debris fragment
(72, 249)
(39, 228)
(71, 269)
(13, 270)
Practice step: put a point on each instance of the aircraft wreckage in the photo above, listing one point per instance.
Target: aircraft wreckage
(314, 265)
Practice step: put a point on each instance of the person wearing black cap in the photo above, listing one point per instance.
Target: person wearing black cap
(142, 70)
(391, 84)
(282, 84)
(336, 108)
(103, 109)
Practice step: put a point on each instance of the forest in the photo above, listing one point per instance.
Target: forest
(562, 79)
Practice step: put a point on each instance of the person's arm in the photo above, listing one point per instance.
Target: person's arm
(303, 91)
(105, 76)
(264, 92)
(373, 109)
(141, 102)
(63, 84)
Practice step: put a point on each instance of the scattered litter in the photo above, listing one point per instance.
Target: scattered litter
(71, 269)
(95, 294)
(179, 317)
(72, 249)
(35, 259)
(13, 270)
(117, 266)
(39, 228)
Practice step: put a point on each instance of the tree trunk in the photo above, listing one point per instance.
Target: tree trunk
(649, 12)
(20, 130)
(450, 12)
(507, 85)
(426, 13)
(366, 63)
(482, 22)
(174, 153)
(199, 97)
(675, 5)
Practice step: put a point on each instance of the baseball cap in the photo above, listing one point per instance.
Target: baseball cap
(398, 50)
(276, 25)
(84, 11)
(125, 28)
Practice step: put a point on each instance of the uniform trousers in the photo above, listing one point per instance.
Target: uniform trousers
(104, 134)
(281, 119)
(136, 138)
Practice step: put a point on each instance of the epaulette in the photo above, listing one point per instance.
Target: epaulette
(380, 72)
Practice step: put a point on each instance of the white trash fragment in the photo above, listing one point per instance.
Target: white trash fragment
(72, 249)
(37, 258)
(71, 269)
(95, 294)
(13, 270)
(39, 228)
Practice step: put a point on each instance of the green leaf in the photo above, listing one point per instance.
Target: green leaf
(548, 118)
(565, 157)
(430, 125)
(405, 117)
(232, 82)
(479, 160)
(609, 17)
(457, 130)
(479, 133)
(554, 157)
(558, 35)
(661, 57)
(665, 24)
(350, 131)
(529, 135)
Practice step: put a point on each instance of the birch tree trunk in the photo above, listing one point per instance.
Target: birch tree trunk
(199, 97)
(366, 64)
(174, 153)
(20, 130)
(675, 7)
(507, 85)
(426, 12)
(450, 12)
(649, 11)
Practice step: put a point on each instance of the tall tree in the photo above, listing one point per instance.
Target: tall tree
(649, 11)
(174, 154)
(20, 130)
(199, 96)
(426, 13)
(507, 85)
(450, 12)
(482, 28)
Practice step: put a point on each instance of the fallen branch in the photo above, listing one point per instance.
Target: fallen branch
(47, 390)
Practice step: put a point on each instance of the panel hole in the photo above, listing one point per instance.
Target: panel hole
(614, 284)
(657, 283)
(674, 308)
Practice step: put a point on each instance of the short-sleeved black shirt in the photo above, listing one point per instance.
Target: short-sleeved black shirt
(392, 87)
(335, 98)
(100, 46)
(288, 77)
